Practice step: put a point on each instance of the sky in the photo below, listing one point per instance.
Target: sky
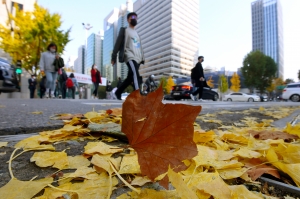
(225, 35)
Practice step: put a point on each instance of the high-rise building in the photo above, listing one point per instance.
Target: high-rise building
(94, 52)
(110, 34)
(169, 32)
(112, 24)
(267, 30)
(79, 62)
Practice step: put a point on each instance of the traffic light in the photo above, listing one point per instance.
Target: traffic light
(19, 70)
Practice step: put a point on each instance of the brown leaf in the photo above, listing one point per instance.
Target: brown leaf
(274, 135)
(258, 169)
(161, 134)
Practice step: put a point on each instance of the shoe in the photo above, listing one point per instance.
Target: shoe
(46, 96)
(117, 96)
(192, 97)
(59, 96)
(52, 96)
(201, 100)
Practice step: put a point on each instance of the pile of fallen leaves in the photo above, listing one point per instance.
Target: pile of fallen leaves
(166, 146)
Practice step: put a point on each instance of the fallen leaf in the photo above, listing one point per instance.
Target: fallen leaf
(47, 158)
(293, 170)
(33, 143)
(37, 112)
(240, 191)
(100, 148)
(274, 135)
(182, 189)
(294, 130)
(204, 137)
(244, 152)
(232, 173)
(257, 169)
(3, 144)
(16, 189)
(140, 181)
(3, 153)
(77, 162)
(149, 194)
(91, 115)
(102, 161)
(130, 165)
(164, 137)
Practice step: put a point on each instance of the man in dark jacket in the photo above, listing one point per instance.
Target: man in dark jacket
(32, 85)
(119, 82)
(197, 77)
(129, 47)
(62, 83)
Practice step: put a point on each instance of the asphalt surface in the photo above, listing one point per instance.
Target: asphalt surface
(17, 115)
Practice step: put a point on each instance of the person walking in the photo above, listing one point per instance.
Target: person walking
(72, 84)
(62, 83)
(42, 86)
(48, 67)
(197, 76)
(119, 82)
(130, 50)
(32, 85)
(96, 79)
(109, 91)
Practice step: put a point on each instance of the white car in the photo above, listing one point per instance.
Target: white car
(241, 97)
(124, 95)
(292, 92)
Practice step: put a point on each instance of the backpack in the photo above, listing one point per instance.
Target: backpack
(69, 83)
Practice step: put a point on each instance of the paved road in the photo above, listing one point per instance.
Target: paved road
(16, 114)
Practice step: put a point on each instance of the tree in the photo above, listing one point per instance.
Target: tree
(258, 70)
(223, 84)
(31, 34)
(235, 82)
(163, 83)
(170, 84)
(299, 75)
(288, 81)
(210, 82)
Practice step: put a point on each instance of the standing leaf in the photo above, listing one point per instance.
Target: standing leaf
(161, 134)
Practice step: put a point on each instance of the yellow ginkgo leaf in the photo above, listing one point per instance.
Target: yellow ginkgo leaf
(212, 184)
(149, 194)
(32, 143)
(294, 130)
(130, 165)
(37, 112)
(140, 181)
(231, 173)
(100, 148)
(293, 170)
(244, 152)
(240, 191)
(84, 172)
(289, 152)
(3, 144)
(47, 158)
(182, 189)
(16, 189)
(102, 161)
(77, 162)
(233, 137)
(91, 115)
(204, 137)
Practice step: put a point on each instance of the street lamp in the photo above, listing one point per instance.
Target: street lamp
(87, 27)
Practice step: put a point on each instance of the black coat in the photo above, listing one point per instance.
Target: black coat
(32, 84)
(197, 73)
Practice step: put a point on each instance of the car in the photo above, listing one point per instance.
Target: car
(241, 97)
(263, 97)
(183, 91)
(7, 77)
(124, 96)
(292, 92)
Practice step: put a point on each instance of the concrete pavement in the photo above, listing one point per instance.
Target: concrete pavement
(16, 115)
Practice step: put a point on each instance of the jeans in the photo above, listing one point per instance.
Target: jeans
(95, 92)
(72, 90)
(51, 78)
